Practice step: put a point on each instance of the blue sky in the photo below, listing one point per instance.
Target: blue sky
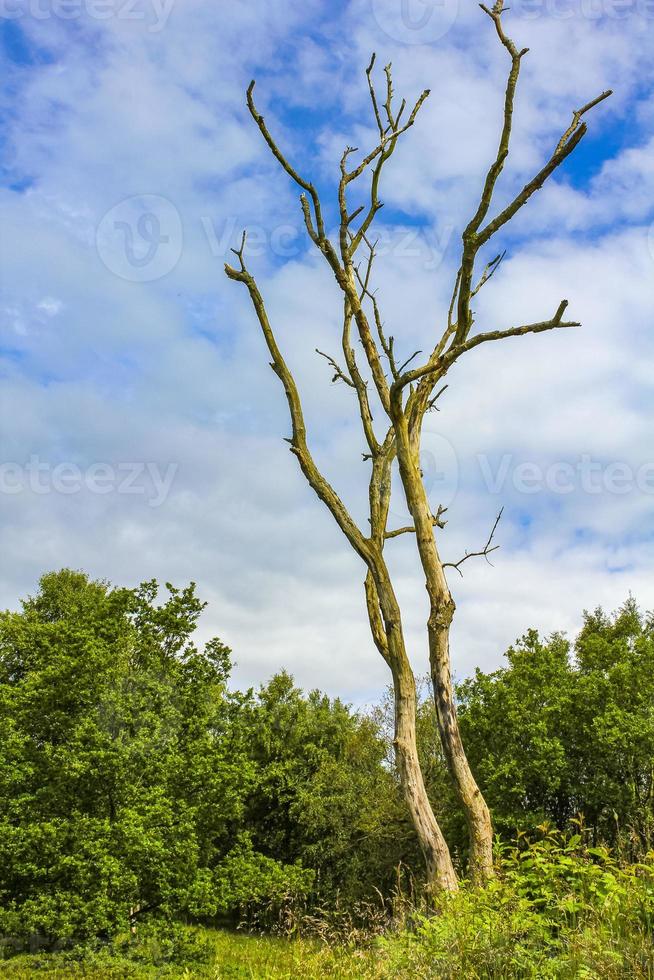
(130, 167)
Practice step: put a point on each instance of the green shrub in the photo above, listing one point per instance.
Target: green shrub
(558, 909)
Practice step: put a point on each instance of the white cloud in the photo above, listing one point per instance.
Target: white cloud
(103, 369)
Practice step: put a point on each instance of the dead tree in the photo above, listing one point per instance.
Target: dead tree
(405, 395)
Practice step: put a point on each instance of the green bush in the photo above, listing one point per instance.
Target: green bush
(558, 909)
(566, 729)
(124, 768)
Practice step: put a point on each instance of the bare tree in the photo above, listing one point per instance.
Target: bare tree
(406, 395)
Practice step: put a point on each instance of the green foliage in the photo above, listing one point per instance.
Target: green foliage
(203, 953)
(122, 771)
(161, 950)
(562, 731)
(243, 957)
(138, 792)
(247, 879)
(559, 909)
(323, 797)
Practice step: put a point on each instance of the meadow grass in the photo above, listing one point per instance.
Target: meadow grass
(558, 911)
(438, 950)
(238, 956)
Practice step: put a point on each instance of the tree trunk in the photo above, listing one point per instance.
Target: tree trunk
(440, 870)
(441, 612)
(386, 627)
(480, 828)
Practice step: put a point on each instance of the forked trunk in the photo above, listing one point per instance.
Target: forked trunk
(386, 627)
(441, 612)
(440, 870)
(478, 819)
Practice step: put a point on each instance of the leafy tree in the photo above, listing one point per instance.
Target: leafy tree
(614, 725)
(122, 775)
(517, 719)
(324, 796)
(565, 731)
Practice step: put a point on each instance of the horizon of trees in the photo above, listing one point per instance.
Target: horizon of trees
(137, 785)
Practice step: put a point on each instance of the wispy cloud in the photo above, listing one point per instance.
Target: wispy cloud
(109, 359)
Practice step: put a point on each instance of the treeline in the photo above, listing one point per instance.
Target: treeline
(135, 783)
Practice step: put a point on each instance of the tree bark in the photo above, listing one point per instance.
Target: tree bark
(386, 627)
(440, 870)
(441, 613)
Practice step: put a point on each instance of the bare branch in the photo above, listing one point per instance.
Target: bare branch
(450, 312)
(438, 366)
(489, 271)
(436, 520)
(470, 246)
(388, 138)
(408, 361)
(409, 529)
(374, 617)
(431, 404)
(568, 142)
(388, 105)
(373, 96)
(290, 170)
(355, 213)
(298, 442)
(339, 374)
(366, 293)
(342, 273)
(488, 548)
(474, 235)
(358, 383)
(555, 323)
(578, 113)
(379, 487)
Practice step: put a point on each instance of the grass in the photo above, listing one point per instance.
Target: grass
(559, 910)
(440, 950)
(241, 956)
(238, 956)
